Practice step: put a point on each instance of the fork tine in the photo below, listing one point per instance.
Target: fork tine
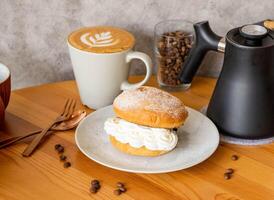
(65, 107)
(72, 108)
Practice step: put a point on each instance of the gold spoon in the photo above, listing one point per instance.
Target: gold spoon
(71, 123)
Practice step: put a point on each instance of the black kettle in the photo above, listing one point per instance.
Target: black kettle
(242, 104)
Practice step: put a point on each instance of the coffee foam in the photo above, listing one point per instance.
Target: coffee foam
(101, 39)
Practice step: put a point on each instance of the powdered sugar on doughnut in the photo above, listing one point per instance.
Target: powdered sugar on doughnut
(152, 99)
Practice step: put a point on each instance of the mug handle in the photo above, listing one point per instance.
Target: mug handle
(148, 63)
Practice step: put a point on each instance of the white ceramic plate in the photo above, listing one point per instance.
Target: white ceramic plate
(198, 139)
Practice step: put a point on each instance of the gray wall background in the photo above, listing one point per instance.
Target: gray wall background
(33, 32)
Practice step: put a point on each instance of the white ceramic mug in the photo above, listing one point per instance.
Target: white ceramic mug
(100, 77)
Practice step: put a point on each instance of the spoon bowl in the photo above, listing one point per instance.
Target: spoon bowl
(72, 122)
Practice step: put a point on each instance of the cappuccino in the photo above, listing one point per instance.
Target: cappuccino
(101, 39)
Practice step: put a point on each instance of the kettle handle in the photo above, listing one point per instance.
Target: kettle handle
(205, 40)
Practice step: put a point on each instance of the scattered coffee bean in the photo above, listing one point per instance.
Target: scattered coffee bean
(227, 176)
(234, 157)
(67, 164)
(57, 146)
(229, 171)
(62, 157)
(119, 185)
(123, 189)
(93, 190)
(117, 192)
(60, 149)
(95, 182)
(97, 186)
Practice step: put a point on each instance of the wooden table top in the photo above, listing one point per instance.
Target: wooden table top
(42, 176)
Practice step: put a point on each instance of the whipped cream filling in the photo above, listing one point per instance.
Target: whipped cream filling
(138, 136)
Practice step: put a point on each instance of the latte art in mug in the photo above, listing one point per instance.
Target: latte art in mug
(101, 39)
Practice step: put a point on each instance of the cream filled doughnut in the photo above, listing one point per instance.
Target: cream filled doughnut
(144, 122)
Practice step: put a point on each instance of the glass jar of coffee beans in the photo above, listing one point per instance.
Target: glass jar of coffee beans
(173, 40)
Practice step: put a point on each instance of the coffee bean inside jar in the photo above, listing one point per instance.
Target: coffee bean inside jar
(171, 51)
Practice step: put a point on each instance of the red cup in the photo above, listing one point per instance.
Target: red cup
(5, 89)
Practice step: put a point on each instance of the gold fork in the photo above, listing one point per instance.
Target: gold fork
(65, 115)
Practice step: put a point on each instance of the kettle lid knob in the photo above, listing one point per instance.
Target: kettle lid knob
(253, 31)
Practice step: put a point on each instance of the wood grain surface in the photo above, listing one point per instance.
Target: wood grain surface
(42, 176)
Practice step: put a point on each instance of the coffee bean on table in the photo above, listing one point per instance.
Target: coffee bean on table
(234, 157)
(123, 189)
(229, 171)
(97, 186)
(119, 184)
(117, 192)
(60, 149)
(95, 182)
(227, 176)
(67, 164)
(62, 157)
(57, 146)
(93, 190)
